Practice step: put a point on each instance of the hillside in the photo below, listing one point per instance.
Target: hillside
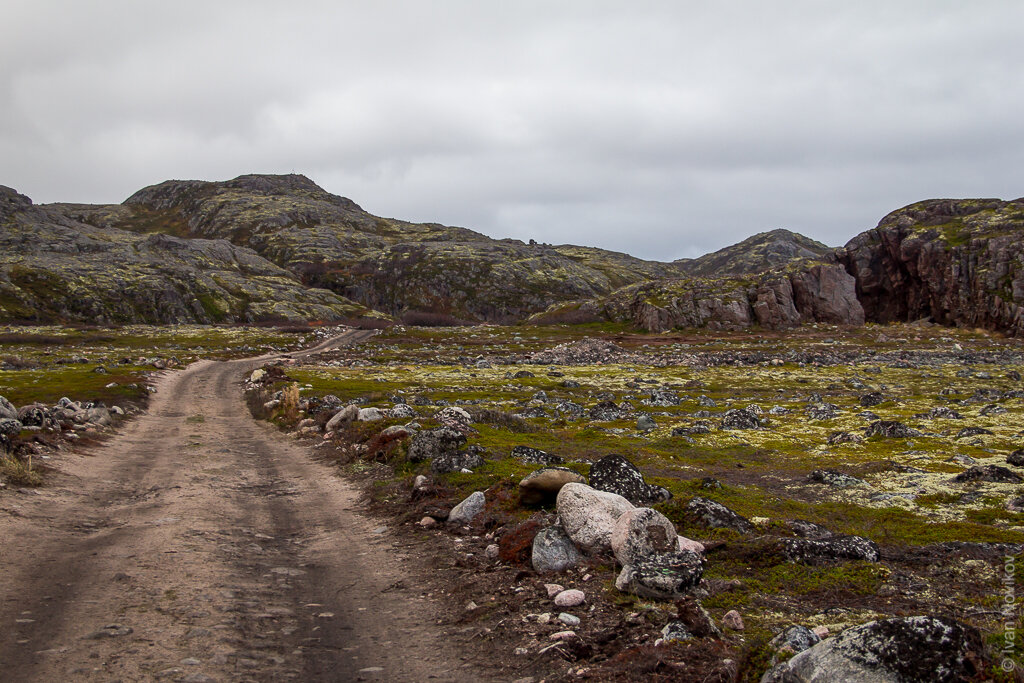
(54, 268)
(329, 241)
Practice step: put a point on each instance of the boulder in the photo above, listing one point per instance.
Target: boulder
(99, 416)
(740, 418)
(430, 443)
(645, 423)
(370, 415)
(608, 410)
(544, 484)
(717, 516)
(347, 414)
(890, 429)
(466, 511)
(897, 650)
(535, 456)
(662, 577)
(832, 548)
(615, 474)
(835, 479)
(641, 532)
(402, 411)
(257, 375)
(455, 418)
(554, 551)
(1016, 458)
(589, 516)
(7, 409)
(455, 462)
(990, 473)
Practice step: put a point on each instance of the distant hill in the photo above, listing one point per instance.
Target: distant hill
(54, 268)
(764, 251)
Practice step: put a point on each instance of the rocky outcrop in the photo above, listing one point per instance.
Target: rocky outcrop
(818, 292)
(54, 268)
(957, 262)
(762, 252)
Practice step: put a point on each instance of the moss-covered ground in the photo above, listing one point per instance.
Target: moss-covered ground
(804, 385)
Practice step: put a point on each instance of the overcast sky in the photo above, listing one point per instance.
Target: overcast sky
(663, 129)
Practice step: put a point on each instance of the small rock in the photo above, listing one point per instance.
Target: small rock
(732, 620)
(491, 551)
(675, 632)
(553, 551)
(570, 598)
(553, 589)
(427, 522)
(569, 620)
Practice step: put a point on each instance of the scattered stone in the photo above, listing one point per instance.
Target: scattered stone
(641, 532)
(717, 516)
(696, 619)
(1016, 458)
(466, 511)
(427, 522)
(805, 529)
(662, 577)
(992, 409)
(569, 620)
(370, 415)
(553, 551)
(922, 648)
(616, 474)
(257, 375)
(459, 461)
(544, 484)
(688, 544)
(570, 598)
(705, 402)
(608, 410)
(822, 411)
(553, 589)
(836, 438)
(110, 631)
(663, 398)
(535, 456)
(491, 551)
(733, 621)
(794, 639)
(589, 516)
(402, 411)
(989, 473)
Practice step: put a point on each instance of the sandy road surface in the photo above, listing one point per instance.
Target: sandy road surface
(200, 545)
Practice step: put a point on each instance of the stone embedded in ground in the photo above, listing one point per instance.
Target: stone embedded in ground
(1016, 458)
(544, 484)
(455, 462)
(641, 532)
(608, 410)
(832, 548)
(871, 400)
(553, 551)
(430, 443)
(792, 640)
(466, 511)
(402, 411)
(615, 474)
(370, 415)
(589, 516)
(836, 438)
(535, 456)
(569, 620)
(989, 473)
(662, 577)
(662, 398)
(805, 529)
(971, 431)
(645, 423)
(717, 516)
(822, 411)
(835, 479)
(921, 648)
(696, 619)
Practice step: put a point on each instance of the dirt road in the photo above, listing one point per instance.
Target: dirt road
(200, 545)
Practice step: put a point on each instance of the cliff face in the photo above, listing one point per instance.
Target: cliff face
(819, 292)
(958, 262)
(54, 268)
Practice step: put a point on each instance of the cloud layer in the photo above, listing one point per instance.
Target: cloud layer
(664, 129)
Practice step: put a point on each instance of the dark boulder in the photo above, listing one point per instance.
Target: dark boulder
(740, 418)
(890, 429)
(535, 456)
(431, 443)
(615, 474)
(717, 516)
(664, 577)
(991, 473)
(807, 550)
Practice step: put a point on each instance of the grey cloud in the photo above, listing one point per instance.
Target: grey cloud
(661, 129)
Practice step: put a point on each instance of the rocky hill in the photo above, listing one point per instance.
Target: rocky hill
(56, 268)
(762, 252)
(391, 265)
(958, 262)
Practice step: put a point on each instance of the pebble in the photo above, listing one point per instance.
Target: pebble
(733, 620)
(491, 551)
(570, 598)
(427, 522)
(563, 635)
(569, 619)
(821, 631)
(553, 589)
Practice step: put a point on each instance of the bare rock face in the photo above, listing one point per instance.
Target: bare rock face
(957, 262)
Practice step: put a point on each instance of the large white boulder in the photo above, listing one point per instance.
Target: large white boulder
(589, 516)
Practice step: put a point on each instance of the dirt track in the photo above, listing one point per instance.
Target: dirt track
(200, 545)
